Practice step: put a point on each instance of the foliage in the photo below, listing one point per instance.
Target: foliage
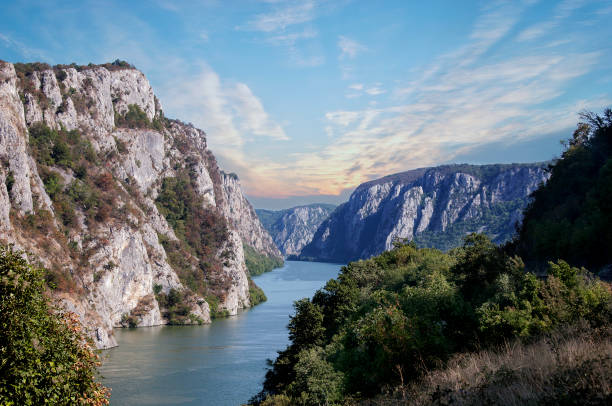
(256, 293)
(259, 263)
(571, 216)
(389, 319)
(198, 256)
(46, 358)
(61, 148)
(175, 307)
(497, 217)
(134, 117)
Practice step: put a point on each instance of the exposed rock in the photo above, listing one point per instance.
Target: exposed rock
(433, 206)
(242, 215)
(111, 266)
(291, 229)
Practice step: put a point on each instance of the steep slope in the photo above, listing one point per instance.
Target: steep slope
(127, 209)
(571, 216)
(291, 229)
(434, 206)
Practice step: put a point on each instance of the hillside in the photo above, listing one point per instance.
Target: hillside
(474, 325)
(291, 229)
(127, 209)
(435, 207)
(571, 216)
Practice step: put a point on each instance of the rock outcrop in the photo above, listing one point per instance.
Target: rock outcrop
(436, 207)
(291, 229)
(85, 154)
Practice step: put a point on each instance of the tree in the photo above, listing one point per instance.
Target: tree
(45, 356)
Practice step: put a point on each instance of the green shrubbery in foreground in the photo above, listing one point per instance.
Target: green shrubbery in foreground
(45, 357)
(389, 319)
(433, 325)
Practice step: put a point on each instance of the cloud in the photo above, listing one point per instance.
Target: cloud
(561, 12)
(375, 91)
(229, 111)
(25, 51)
(290, 39)
(465, 99)
(283, 17)
(349, 48)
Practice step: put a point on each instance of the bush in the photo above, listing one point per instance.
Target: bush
(258, 263)
(46, 357)
(256, 294)
(389, 319)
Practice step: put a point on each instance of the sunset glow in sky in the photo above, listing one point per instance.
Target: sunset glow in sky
(313, 97)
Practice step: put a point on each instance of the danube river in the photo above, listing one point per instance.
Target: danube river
(223, 363)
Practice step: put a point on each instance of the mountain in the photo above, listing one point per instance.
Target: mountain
(435, 207)
(127, 209)
(293, 228)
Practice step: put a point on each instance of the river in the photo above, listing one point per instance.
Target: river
(223, 363)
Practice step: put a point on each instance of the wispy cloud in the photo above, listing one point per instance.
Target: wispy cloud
(561, 12)
(229, 111)
(283, 17)
(26, 51)
(375, 91)
(349, 48)
(465, 99)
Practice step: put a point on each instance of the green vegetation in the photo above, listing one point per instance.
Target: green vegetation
(46, 358)
(69, 151)
(136, 118)
(571, 216)
(497, 217)
(176, 309)
(197, 256)
(257, 294)
(259, 263)
(66, 149)
(411, 321)
(389, 319)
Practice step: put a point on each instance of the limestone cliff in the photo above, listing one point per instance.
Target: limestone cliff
(291, 229)
(89, 169)
(435, 207)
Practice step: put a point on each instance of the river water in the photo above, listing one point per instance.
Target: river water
(223, 363)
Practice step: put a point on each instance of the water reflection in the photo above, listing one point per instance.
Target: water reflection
(219, 364)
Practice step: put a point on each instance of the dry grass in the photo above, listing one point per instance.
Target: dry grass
(570, 367)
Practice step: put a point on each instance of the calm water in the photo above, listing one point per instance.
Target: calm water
(223, 363)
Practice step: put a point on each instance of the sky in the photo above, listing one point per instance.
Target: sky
(305, 100)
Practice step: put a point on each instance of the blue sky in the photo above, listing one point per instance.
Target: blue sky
(306, 99)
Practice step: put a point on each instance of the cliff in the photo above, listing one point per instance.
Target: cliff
(291, 229)
(127, 209)
(435, 207)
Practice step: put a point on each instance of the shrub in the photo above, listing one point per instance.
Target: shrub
(257, 263)
(256, 294)
(134, 117)
(46, 358)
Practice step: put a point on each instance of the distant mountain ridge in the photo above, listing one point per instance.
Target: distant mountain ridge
(293, 228)
(435, 207)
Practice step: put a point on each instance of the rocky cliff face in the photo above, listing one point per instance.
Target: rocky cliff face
(293, 228)
(434, 206)
(244, 218)
(87, 165)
